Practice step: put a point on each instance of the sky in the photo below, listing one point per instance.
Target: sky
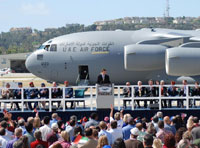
(40, 14)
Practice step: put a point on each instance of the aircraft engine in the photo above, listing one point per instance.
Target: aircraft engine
(144, 57)
(182, 61)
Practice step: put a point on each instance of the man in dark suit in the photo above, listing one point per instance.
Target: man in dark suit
(151, 91)
(140, 92)
(103, 78)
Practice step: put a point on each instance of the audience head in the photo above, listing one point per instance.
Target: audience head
(88, 132)
(18, 132)
(169, 140)
(131, 121)
(102, 141)
(30, 120)
(21, 122)
(65, 136)
(72, 122)
(139, 126)
(2, 131)
(4, 124)
(54, 116)
(54, 127)
(78, 130)
(159, 114)
(157, 143)
(29, 127)
(36, 123)
(73, 117)
(18, 144)
(179, 134)
(148, 140)
(160, 124)
(113, 124)
(102, 125)
(117, 116)
(155, 119)
(94, 116)
(125, 118)
(46, 120)
(38, 135)
(119, 143)
(134, 132)
(167, 120)
(57, 145)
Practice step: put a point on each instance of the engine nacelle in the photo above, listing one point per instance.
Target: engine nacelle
(182, 61)
(144, 57)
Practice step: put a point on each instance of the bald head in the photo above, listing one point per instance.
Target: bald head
(166, 120)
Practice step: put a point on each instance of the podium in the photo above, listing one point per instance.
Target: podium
(105, 96)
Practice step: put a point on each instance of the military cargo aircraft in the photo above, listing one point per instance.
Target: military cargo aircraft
(149, 53)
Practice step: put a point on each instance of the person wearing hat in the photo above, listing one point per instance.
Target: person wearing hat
(53, 136)
(44, 94)
(18, 94)
(32, 93)
(133, 142)
(68, 93)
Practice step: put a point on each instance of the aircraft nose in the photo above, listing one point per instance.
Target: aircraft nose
(31, 63)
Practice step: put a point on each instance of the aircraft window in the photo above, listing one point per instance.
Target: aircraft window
(41, 47)
(40, 57)
(47, 47)
(53, 47)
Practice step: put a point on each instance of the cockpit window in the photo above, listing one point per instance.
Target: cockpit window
(53, 47)
(41, 47)
(47, 47)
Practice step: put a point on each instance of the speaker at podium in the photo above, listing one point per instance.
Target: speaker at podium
(105, 96)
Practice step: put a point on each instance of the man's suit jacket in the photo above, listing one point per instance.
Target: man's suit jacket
(101, 81)
(151, 92)
(90, 144)
(133, 144)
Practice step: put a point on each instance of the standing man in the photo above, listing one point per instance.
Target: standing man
(32, 93)
(18, 94)
(127, 93)
(103, 78)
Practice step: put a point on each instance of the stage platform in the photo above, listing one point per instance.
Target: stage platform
(80, 113)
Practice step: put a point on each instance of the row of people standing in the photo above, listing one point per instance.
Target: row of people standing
(33, 93)
(153, 91)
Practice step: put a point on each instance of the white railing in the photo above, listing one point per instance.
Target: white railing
(90, 96)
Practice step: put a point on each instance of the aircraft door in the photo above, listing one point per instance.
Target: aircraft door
(83, 72)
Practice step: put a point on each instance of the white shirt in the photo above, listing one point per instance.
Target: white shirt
(3, 142)
(119, 123)
(45, 130)
(116, 133)
(9, 135)
(70, 131)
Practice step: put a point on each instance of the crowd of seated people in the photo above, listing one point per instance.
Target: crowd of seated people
(148, 91)
(32, 92)
(115, 131)
(152, 90)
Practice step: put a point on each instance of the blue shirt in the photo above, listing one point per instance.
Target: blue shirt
(126, 131)
(10, 143)
(68, 92)
(108, 135)
(170, 128)
(53, 121)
